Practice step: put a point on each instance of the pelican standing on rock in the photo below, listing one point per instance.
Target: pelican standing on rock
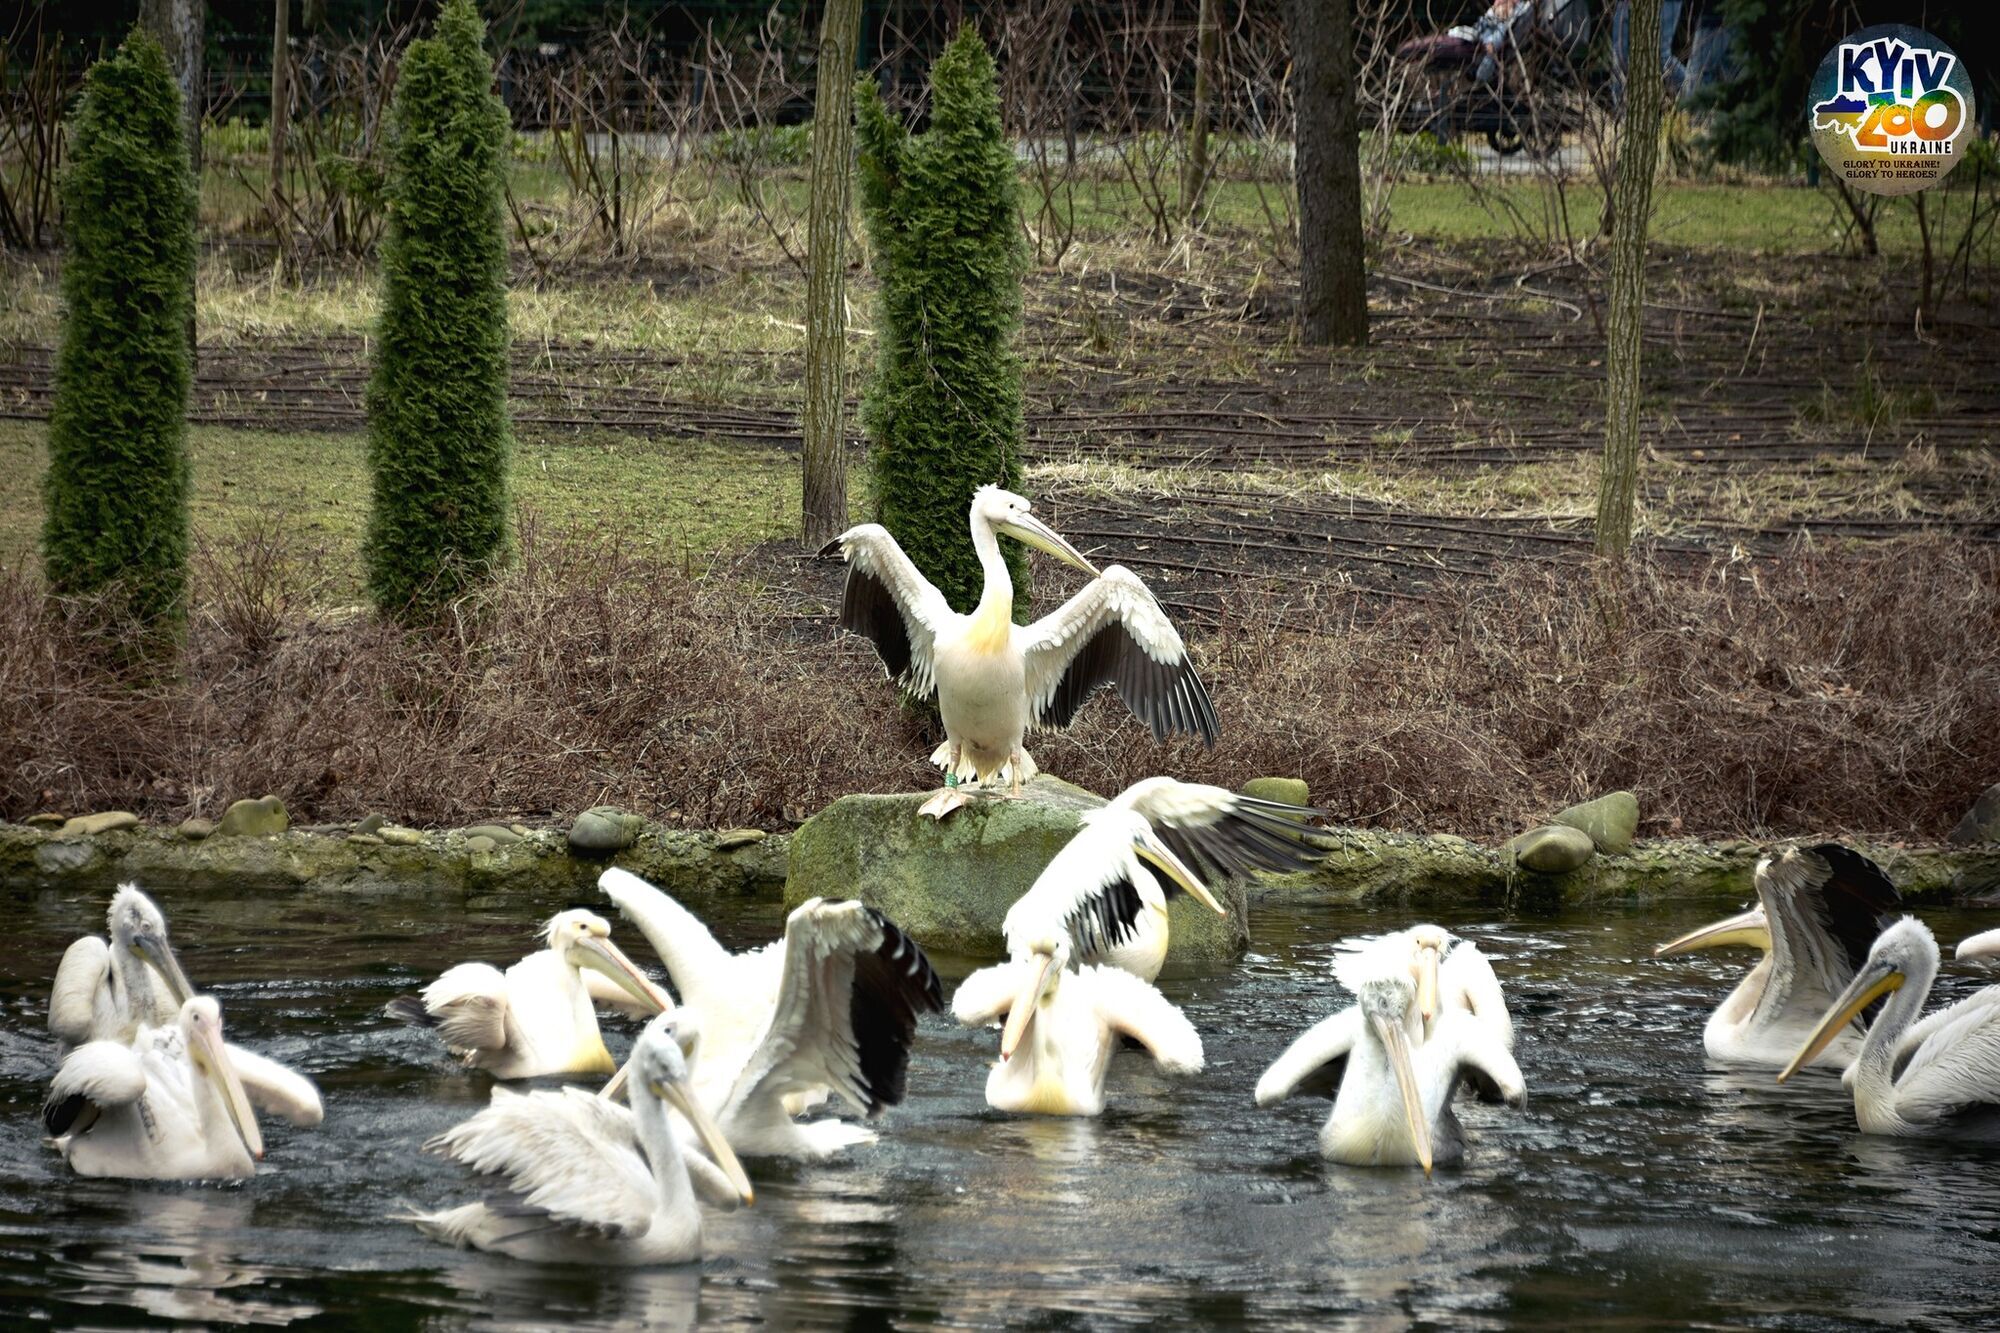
(1819, 909)
(1392, 1086)
(1062, 1027)
(582, 1180)
(994, 679)
(831, 1008)
(107, 992)
(537, 1017)
(1935, 1076)
(1102, 893)
(166, 1106)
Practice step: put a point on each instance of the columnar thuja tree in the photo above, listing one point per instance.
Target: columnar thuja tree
(118, 479)
(438, 438)
(943, 410)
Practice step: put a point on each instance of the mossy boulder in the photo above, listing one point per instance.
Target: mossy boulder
(1611, 821)
(1553, 849)
(1292, 791)
(950, 882)
(262, 818)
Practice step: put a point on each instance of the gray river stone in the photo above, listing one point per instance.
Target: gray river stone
(195, 828)
(604, 829)
(1610, 820)
(264, 817)
(1981, 822)
(1553, 849)
(109, 821)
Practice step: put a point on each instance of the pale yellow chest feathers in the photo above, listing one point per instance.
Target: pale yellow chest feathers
(991, 628)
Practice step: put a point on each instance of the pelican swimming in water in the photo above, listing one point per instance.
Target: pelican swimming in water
(1915, 1076)
(537, 1017)
(1062, 1027)
(1392, 1086)
(110, 992)
(1984, 945)
(995, 679)
(1819, 909)
(830, 1008)
(166, 1106)
(1101, 889)
(582, 1180)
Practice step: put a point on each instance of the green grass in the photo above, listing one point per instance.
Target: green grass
(687, 500)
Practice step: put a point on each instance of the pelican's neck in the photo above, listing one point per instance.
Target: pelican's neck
(995, 611)
(663, 1150)
(1875, 1067)
(134, 977)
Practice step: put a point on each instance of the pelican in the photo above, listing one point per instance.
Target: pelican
(1819, 908)
(994, 679)
(1935, 1076)
(537, 1017)
(582, 1180)
(167, 1106)
(829, 1008)
(1392, 1086)
(1451, 975)
(1984, 945)
(1062, 1027)
(1101, 892)
(111, 992)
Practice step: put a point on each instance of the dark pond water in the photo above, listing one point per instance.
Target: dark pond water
(1639, 1186)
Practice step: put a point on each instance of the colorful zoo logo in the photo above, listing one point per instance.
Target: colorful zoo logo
(1890, 109)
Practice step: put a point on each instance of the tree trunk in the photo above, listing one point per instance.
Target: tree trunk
(1333, 291)
(825, 508)
(281, 114)
(1208, 37)
(177, 24)
(1631, 205)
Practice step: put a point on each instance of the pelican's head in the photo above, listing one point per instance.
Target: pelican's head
(1385, 1001)
(583, 939)
(1905, 951)
(1004, 511)
(1428, 946)
(138, 927)
(201, 1026)
(1041, 971)
(659, 1068)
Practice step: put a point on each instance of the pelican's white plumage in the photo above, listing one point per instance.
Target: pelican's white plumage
(830, 1008)
(1938, 1076)
(108, 991)
(536, 1018)
(1062, 1027)
(1818, 910)
(166, 1106)
(1450, 974)
(1984, 945)
(1100, 889)
(1392, 1085)
(583, 1180)
(994, 679)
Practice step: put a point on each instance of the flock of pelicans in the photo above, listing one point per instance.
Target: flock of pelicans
(763, 1049)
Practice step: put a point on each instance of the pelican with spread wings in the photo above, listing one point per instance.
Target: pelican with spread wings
(1818, 911)
(995, 679)
(1107, 889)
(829, 1009)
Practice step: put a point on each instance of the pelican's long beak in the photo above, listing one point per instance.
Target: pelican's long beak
(1398, 1047)
(1751, 928)
(676, 1094)
(1161, 857)
(212, 1058)
(160, 955)
(1870, 984)
(601, 955)
(1031, 531)
(615, 1089)
(1025, 1004)
(1427, 981)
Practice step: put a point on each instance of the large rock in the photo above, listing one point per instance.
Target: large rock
(1292, 791)
(108, 821)
(1981, 822)
(604, 829)
(1609, 820)
(264, 818)
(949, 883)
(1553, 849)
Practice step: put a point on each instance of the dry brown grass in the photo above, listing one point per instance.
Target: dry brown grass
(1825, 691)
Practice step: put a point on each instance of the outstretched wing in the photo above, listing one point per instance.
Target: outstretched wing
(1221, 833)
(96, 1075)
(1088, 892)
(891, 603)
(987, 995)
(1845, 891)
(1466, 983)
(1114, 633)
(1315, 1062)
(847, 1011)
(275, 1089)
(1481, 1058)
(695, 962)
(74, 999)
(567, 1154)
(468, 1006)
(1136, 1009)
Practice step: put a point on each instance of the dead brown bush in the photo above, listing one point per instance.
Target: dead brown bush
(1822, 691)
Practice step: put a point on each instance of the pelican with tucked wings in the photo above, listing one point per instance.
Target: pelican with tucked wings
(1392, 1082)
(829, 1009)
(1062, 1027)
(168, 1105)
(112, 992)
(1107, 889)
(995, 679)
(1914, 1076)
(582, 1180)
(539, 1016)
(1818, 910)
